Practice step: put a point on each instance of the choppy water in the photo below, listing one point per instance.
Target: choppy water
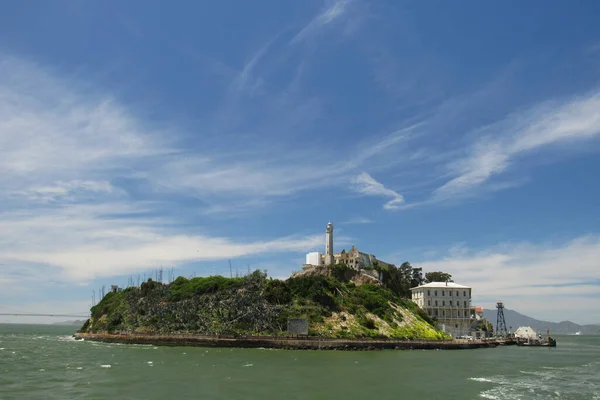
(43, 362)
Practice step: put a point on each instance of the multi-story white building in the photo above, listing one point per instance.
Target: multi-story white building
(448, 303)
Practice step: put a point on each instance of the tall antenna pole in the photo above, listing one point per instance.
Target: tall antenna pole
(230, 270)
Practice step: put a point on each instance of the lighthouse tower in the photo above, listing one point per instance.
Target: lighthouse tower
(329, 244)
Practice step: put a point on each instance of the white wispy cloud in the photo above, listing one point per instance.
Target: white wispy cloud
(65, 190)
(85, 242)
(365, 184)
(54, 131)
(51, 135)
(329, 14)
(358, 220)
(546, 124)
(245, 80)
(63, 148)
(538, 280)
(58, 138)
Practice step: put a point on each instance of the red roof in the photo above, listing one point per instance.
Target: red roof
(478, 309)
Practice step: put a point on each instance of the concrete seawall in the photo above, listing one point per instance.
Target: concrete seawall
(299, 343)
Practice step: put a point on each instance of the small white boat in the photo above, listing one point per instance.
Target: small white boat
(578, 333)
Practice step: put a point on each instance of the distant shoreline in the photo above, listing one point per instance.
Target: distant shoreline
(296, 343)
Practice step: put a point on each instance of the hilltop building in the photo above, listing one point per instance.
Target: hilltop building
(448, 303)
(353, 257)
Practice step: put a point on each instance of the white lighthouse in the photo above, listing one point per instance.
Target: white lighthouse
(329, 244)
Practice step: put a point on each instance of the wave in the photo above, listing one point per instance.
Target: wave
(542, 374)
(550, 382)
(481, 380)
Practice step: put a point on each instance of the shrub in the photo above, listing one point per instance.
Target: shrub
(108, 304)
(149, 286)
(182, 288)
(341, 272)
(374, 298)
(278, 292)
(367, 322)
(319, 289)
(85, 326)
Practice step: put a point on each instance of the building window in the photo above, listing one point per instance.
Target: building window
(465, 313)
(428, 302)
(435, 293)
(450, 302)
(443, 303)
(465, 293)
(443, 313)
(435, 312)
(450, 293)
(465, 303)
(443, 293)
(436, 302)
(457, 293)
(429, 293)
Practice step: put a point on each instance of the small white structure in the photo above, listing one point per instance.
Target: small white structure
(448, 303)
(313, 258)
(525, 332)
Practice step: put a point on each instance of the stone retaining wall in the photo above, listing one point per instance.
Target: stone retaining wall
(313, 343)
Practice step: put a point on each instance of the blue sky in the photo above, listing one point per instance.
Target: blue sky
(461, 138)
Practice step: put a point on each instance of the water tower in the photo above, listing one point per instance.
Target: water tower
(500, 322)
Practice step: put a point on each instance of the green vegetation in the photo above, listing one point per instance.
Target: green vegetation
(183, 288)
(483, 325)
(438, 276)
(401, 279)
(334, 305)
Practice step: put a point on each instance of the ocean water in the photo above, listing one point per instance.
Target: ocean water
(44, 362)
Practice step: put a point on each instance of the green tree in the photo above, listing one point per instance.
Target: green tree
(438, 276)
(399, 279)
(417, 277)
(406, 274)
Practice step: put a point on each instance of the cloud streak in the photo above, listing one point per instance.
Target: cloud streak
(86, 242)
(550, 123)
(325, 17)
(365, 184)
(358, 221)
(70, 190)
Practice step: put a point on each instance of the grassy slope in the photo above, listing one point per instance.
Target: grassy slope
(254, 304)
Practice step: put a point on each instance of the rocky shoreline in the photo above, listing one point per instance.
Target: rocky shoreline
(286, 342)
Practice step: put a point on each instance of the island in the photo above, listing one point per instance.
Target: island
(332, 307)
